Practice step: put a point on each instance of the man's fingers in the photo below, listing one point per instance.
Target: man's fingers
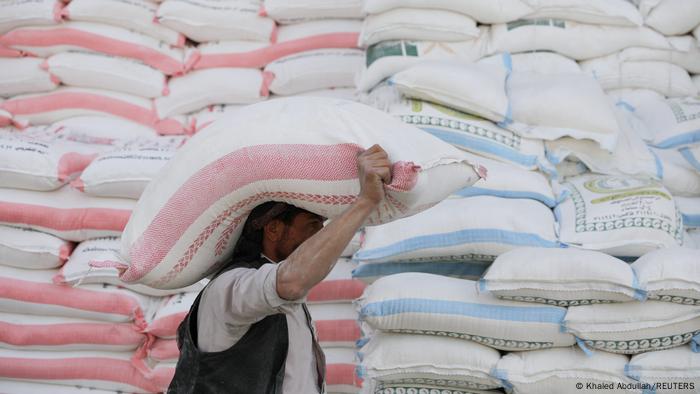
(384, 173)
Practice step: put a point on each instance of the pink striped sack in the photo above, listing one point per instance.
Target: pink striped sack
(301, 151)
(164, 350)
(24, 75)
(33, 292)
(137, 15)
(5, 117)
(29, 13)
(65, 213)
(17, 386)
(27, 332)
(336, 324)
(169, 314)
(300, 37)
(99, 369)
(42, 160)
(64, 102)
(340, 371)
(338, 286)
(30, 249)
(44, 41)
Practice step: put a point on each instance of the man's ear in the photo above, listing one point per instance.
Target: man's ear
(273, 230)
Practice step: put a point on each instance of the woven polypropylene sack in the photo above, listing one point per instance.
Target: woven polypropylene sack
(302, 151)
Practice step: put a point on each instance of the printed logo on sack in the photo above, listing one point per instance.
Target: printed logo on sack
(623, 188)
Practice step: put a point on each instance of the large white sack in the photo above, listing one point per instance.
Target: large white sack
(623, 216)
(94, 70)
(27, 332)
(213, 20)
(675, 122)
(296, 11)
(554, 106)
(385, 59)
(26, 13)
(415, 303)
(628, 100)
(563, 277)
(170, 312)
(684, 52)
(198, 89)
(30, 249)
(459, 228)
(596, 12)
(670, 275)
(125, 172)
(631, 155)
(576, 40)
(478, 89)
(672, 371)
(137, 15)
(99, 369)
(313, 70)
(678, 175)
(42, 162)
(17, 386)
(563, 370)
(291, 39)
(33, 292)
(24, 75)
(65, 102)
(613, 72)
(397, 359)
(417, 24)
(690, 210)
(310, 145)
(65, 213)
(633, 327)
(78, 270)
(537, 62)
(484, 11)
(44, 41)
(507, 181)
(104, 128)
(671, 17)
(470, 133)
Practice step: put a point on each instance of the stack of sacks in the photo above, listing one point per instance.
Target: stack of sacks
(163, 353)
(402, 33)
(335, 319)
(108, 59)
(313, 48)
(613, 307)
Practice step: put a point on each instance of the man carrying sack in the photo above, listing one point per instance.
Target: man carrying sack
(249, 331)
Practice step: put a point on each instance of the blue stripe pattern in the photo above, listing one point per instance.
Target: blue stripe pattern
(659, 165)
(445, 268)
(688, 155)
(508, 64)
(680, 140)
(455, 238)
(532, 314)
(481, 145)
(691, 220)
(479, 191)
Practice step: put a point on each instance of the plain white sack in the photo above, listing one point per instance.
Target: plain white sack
(30, 249)
(670, 275)
(24, 75)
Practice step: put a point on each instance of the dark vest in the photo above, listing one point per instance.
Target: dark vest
(254, 364)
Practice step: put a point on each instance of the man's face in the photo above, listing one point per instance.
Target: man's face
(303, 226)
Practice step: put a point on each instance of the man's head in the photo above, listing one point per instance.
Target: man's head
(280, 228)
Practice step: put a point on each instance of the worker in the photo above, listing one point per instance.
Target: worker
(249, 331)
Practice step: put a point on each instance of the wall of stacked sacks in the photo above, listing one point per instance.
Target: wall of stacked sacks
(574, 262)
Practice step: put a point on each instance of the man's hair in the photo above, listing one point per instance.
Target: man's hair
(249, 245)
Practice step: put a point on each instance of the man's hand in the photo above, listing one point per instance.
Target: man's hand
(374, 170)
